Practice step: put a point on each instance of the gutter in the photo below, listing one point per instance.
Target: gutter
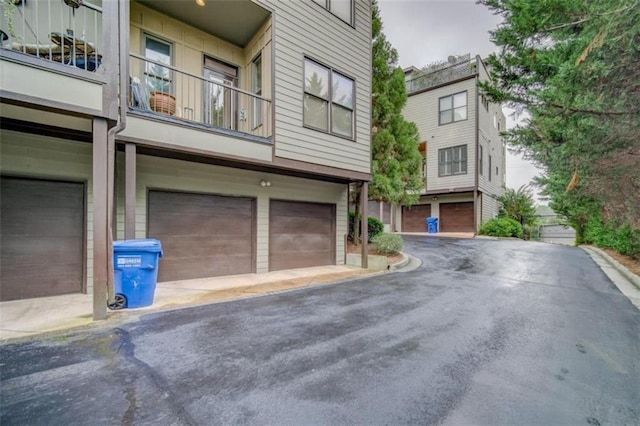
(123, 73)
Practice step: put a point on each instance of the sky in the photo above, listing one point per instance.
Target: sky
(427, 31)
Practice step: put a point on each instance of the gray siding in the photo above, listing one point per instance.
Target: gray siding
(422, 109)
(490, 208)
(492, 143)
(305, 28)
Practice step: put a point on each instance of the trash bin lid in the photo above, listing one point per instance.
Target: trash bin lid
(148, 245)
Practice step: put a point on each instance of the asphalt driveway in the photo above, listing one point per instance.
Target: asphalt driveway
(484, 332)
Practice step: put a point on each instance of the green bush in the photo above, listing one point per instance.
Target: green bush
(388, 243)
(501, 227)
(375, 226)
(622, 239)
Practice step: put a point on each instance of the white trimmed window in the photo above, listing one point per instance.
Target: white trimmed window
(328, 100)
(343, 9)
(452, 161)
(453, 108)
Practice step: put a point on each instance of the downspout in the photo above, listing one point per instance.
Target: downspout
(477, 131)
(123, 73)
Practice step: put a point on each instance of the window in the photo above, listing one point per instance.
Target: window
(343, 9)
(256, 88)
(453, 108)
(489, 168)
(328, 100)
(480, 154)
(485, 102)
(452, 161)
(157, 77)
(220, 100)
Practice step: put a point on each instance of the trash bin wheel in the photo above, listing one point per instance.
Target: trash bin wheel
(119, 302)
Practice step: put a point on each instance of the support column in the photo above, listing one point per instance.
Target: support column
(101, 214)
(364, 233)
(130, 192)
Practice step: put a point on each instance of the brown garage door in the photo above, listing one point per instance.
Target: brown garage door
(42, 234)
(301, 235)
(456, 217)
(413, 218)
(202, 235)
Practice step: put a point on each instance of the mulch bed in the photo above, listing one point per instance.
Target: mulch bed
(631, 264)
(391, 259)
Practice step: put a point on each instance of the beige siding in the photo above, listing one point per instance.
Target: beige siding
(303, 28)
(167, 174)
(30, 81)
(492, 143)
(422, 109)
(29, 155)
(182, 136)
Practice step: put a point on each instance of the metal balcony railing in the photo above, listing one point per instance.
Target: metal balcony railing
(64, 31)
(165, 91)
(441, 73)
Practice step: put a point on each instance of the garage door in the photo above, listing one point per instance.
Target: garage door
(413, 217)
(202, 235)
(42, 238)
(456, 217)
(301, 235)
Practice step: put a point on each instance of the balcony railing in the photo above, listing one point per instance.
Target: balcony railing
(442, 72)
(167, 92)
(64, 31)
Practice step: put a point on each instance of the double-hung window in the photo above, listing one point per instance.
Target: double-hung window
(343, 9)
(328, 100)
(452, 161)
(157, 77)
(453, 108)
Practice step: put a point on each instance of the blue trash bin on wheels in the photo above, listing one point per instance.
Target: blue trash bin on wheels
(135, 264)
(432, 225)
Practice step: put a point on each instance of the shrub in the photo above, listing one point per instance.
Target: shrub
(388, 243)
(501, 227)
(622, 239)
(375, 226)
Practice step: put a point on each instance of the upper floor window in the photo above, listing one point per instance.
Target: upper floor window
(328, 99)
(489, 168)
(453, 108)
(485, 102)
(157, 77)
(343, 9)
(452, 161)
(256, 88)
(480, 159)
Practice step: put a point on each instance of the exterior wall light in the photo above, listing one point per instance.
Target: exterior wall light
(265, 183)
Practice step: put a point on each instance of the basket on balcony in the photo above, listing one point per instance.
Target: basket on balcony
(162, 102)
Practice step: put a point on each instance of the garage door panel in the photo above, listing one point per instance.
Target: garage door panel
(413, 218)
(301, 235)
(302, 225)
(200, 267)
(297, 259)
(202, 235)
(197, 225)
(42, 238)
(456, 217)
(295, 242)
(298, 209)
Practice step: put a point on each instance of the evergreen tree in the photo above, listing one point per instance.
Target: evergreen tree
(573, 66)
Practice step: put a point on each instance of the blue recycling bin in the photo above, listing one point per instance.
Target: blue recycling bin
(432, 225)
(135, 264)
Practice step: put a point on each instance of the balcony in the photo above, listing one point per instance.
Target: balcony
(161, 91)
(68, 32)
(455, 68)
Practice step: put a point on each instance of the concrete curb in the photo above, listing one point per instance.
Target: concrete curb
(402, 263)
(633, 278)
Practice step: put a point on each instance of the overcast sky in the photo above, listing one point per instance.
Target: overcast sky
(426, 31)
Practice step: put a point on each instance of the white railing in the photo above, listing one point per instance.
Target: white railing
(64, 31)
(165, 91)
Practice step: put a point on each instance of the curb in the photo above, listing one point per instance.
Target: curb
(401, 264)
(633, 278)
